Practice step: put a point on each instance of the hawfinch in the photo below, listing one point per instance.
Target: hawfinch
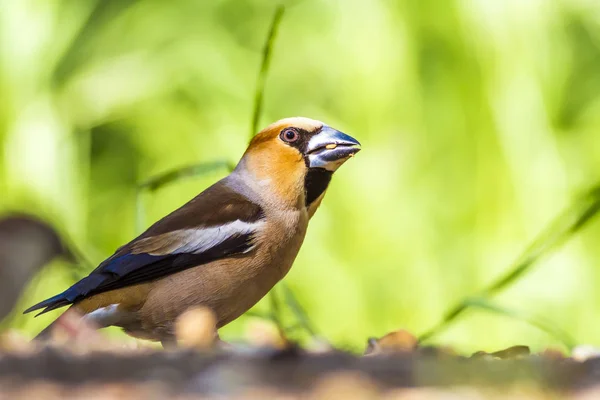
(227, 247)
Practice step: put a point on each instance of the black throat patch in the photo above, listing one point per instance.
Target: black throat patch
(315, 183)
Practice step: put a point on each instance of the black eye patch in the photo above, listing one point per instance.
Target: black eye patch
(302, 142)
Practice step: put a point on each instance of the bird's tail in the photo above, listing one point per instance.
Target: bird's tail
(50, 304)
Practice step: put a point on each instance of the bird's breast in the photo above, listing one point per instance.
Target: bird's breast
(283, 237)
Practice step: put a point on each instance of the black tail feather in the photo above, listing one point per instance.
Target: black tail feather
(50, 304)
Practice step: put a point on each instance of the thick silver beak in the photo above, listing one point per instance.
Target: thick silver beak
(330, 148)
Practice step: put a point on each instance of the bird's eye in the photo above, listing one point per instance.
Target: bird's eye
(289, 135)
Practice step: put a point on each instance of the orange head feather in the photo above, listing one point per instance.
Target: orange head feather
(282, 155)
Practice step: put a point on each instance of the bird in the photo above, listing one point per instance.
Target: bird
(26, 244)
(224, 249)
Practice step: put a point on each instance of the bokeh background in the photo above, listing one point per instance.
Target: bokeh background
(480, 122)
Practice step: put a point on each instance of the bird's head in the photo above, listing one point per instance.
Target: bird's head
(298, 156)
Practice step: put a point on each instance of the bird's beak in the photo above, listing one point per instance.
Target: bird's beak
(329, 149)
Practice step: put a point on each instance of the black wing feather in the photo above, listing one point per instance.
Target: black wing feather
(141, 268)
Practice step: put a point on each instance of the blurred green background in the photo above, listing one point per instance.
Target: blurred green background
(479, 120)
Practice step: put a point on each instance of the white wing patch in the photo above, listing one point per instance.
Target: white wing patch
(195, 241)
(200, 240)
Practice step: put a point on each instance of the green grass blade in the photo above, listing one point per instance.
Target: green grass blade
(173, 176)
(542, 324)
(562, 228)
(264, 68)
(191, 171)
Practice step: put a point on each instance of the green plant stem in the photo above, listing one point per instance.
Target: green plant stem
(540, 323)
(157, 182)
(562, 228)
(264, 68)
(176, 175)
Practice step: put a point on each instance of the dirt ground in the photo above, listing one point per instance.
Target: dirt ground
(56, 372)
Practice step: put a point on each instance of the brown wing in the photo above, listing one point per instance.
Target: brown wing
(216, 224)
